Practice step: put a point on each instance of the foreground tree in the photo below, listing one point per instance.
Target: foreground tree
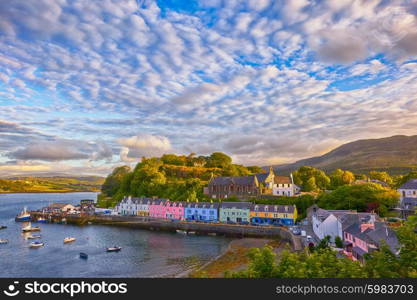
(322, 263)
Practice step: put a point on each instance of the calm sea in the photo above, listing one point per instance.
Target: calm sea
(144, 253)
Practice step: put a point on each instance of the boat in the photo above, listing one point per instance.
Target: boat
(3, 241)
(191, 232)
(83, 255)
(29, 228)
(69, 240)
(212, 233)
(33, 237)
(41, 220)
(3, 227)
(114, 249)
(36, 245)
(23, 216)
(181, 231)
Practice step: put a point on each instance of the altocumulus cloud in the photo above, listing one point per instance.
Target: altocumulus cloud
(262, 80)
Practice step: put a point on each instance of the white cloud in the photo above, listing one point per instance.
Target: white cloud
(135, 147)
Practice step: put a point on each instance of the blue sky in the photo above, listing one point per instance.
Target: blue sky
(87, 85)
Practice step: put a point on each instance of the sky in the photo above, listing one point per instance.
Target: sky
(88, 85)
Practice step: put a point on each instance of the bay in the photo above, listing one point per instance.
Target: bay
(144, 253)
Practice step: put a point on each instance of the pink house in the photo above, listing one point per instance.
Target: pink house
(174, 210)
(360, 239)
(157, 208)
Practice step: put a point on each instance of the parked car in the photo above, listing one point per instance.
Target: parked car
(231, 223)
(309, 238)
(296, 230)
(244, 223)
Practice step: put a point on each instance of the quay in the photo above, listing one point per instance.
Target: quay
(156, 224)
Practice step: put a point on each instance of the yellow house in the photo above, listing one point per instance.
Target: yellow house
(273, 214)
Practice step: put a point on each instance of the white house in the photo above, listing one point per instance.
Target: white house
(130, 206)
(333, 222)
(408, 190)
(284, 186)
(408, 198)
(126, 207)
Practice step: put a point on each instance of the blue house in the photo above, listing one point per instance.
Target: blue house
(201, 211)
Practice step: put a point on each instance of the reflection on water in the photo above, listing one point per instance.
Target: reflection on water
(144, 253)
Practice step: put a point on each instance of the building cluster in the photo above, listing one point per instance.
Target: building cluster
(224, 212)
(361, 233)
(86, 206)
(222, 187)
(408, 198)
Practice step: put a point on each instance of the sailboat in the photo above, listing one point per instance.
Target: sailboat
(23, 216)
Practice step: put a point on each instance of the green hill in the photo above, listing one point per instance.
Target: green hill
(56, 184)
(395, 155)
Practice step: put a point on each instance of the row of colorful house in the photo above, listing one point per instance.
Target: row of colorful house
(237, 212)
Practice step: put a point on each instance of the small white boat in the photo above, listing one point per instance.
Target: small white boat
(69, 240)
(3, 241)
(181, 231)
(33, 237)
(36, 245)
(191, 232)
(29, 228)
(114, 249)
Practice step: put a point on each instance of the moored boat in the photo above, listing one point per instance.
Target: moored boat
(29, 228)
(114, 249)
(3, 227)
(191, 232)
(41, 220)
(69, 240)
(181, 231)
(3, 241)
(83, 255)
(36, 245)
(23, 216)
(33, 237)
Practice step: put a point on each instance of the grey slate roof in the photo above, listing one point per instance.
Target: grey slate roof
(208, 205)
(273, 208)
(375, 236)
(359, 251)
(261, 176)
(237, 205)
(237, 180)
(410, 185)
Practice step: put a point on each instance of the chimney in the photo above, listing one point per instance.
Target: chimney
(366, 226)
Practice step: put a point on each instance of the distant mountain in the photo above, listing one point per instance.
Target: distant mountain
(396, 155)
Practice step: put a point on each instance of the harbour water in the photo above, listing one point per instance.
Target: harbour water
(144, 253)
